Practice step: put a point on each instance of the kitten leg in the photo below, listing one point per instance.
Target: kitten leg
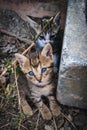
(44, 110)
(25, 107)
(54, 106)
(23, 91)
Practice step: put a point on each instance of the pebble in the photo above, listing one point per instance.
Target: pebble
(48, 127)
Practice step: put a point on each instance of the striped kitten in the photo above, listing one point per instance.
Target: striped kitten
(38, 69)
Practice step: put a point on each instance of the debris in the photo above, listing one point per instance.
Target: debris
(2, 81)
(48, 127)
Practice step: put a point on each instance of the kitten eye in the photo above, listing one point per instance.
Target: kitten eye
(43, 70)
(31, 73)
(52, 36)
(41, 37)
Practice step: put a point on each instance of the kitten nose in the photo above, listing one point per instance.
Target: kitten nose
(39, 81)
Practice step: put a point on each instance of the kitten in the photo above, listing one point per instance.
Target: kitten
(38, 69)
(52, 35)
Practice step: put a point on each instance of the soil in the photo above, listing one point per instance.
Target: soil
(11, 116)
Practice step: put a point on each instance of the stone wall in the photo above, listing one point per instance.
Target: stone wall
(72, 83)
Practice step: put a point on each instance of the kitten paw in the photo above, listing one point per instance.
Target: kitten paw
(45, 112)
(26, 108)
(55, 110)
(54, 107)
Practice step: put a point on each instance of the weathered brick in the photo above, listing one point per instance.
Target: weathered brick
(72, 82)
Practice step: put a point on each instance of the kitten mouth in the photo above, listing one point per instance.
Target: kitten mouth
(39, 81)
(41, 84)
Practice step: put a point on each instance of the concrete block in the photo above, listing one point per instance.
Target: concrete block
(72, 80)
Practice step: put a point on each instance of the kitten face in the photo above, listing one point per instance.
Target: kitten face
(39, 67)
(50, 33)
(53, 27)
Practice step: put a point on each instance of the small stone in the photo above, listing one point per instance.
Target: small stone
(47, 127)
(66, 126)
(62, 128)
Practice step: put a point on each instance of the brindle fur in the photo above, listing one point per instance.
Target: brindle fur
(40, 84)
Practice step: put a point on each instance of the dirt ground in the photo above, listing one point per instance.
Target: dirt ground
(11, 116)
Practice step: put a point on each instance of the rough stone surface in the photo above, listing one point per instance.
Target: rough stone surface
(72, 83)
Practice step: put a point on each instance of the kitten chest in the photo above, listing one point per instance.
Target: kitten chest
(37, 92)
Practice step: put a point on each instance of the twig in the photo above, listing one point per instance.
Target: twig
(36, 128)
(60, 123)
(1, 103)
(54, 123)
(35, 111)
(24, 127)
(3, 72)
(26, 50)
(12, 114)
(17, 37)
(19, 103)
(4, 125)
(69, 121)
(19, 125)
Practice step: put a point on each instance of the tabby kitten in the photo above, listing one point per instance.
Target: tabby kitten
(38, 69)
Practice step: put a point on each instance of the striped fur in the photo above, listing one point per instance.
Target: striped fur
(38, 69)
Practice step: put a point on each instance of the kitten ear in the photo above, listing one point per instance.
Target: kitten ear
(21, 59)
(34, 24)
(57, 19)
(47, 51)
(35, 19)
